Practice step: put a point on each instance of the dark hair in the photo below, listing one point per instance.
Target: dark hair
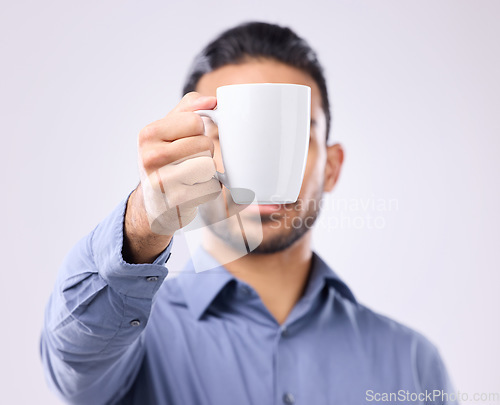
(257, 39)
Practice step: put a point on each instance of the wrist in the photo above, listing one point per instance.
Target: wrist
(140, 243)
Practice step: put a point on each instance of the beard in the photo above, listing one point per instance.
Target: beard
(276, 231)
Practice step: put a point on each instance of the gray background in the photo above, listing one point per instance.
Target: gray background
(415, 90)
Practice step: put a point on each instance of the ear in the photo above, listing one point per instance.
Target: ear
(334, 160)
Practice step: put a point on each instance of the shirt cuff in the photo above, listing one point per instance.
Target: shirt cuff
(132, 280)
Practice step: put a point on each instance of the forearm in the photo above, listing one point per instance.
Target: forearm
(100, 305)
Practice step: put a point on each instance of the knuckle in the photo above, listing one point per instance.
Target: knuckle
(148, 133)
(192, 95)
(150, 159)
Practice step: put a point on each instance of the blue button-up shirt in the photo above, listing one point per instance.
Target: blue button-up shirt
(116, 333)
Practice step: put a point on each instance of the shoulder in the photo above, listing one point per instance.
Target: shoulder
(385, 339)
(377, 327)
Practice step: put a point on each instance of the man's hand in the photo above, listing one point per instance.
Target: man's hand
(177, 174)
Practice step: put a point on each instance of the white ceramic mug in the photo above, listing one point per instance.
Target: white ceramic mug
(264, 139)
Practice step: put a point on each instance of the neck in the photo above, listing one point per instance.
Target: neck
(279, 278)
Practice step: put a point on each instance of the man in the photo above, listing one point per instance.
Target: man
(275, 326)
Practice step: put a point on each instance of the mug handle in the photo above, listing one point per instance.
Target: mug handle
(212, 114)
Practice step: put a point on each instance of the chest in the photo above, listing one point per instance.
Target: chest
(234, 359)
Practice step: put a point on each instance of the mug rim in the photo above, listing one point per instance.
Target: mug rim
(264, 84)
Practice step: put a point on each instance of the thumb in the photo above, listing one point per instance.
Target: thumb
(195, 101)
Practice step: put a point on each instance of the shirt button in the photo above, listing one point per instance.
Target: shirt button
(135, 322)
(284, 331)
(288, 398)
(152, 278)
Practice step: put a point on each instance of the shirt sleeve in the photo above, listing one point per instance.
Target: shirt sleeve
(434, 381)
(91, 343)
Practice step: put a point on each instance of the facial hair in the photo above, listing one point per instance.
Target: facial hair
(288, 234)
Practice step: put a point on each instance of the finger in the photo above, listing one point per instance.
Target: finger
(197, 170)
(195, 101)
(190, 171)
(192, 196)
(190, 146)
(172, 127)
(160, 154)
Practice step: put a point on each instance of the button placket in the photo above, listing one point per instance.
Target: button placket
(286, 373)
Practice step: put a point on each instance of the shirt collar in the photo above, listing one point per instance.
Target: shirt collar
(200, 289)
(321, 274)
